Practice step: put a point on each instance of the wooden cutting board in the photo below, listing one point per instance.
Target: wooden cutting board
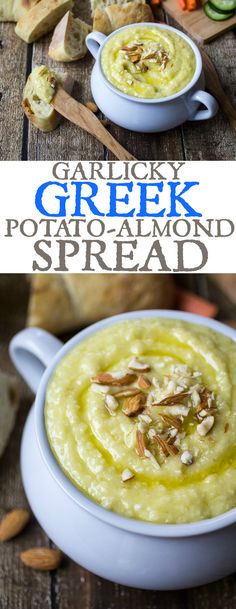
(197, 23)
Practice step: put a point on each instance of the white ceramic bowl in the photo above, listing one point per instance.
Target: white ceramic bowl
(149, 115)
(127, 551)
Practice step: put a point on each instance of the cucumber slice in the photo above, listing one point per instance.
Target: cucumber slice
(216, 15)
(224, 5)
(217, 10)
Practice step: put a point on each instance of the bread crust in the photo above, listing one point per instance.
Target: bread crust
(110, 18)
(68, 41)
(103, 3)
(50, 119)
(12, 10)
(64, 302)
(41, 19)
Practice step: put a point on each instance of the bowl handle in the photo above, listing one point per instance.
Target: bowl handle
(31, 350)
(207, 100)
(94, 41)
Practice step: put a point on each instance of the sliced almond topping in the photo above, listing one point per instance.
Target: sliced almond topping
(140, 443)
(143, 67)
(150, 55)
(206, 398)
(135, 404)
(143, 382)
(151, 433)
(179, 411)
(148, 454)
(126, 393)
(187, 457)
(138, 366)
(168, 449)
(115, 379)
(195, 398)
(171, 421)
(129, 49)
(145, 418)
(206, 425)
(172, 399)
(126, 475)
(111, 403)
(135, 58)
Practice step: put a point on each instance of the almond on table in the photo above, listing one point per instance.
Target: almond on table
(13, 523)
(42, 559)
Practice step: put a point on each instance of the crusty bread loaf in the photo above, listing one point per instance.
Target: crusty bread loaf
(12, 10)
(110, 18)
(102, 3)
(61, 302)
(41, 19)
(68, 41)
(38, 111)
(8, 407)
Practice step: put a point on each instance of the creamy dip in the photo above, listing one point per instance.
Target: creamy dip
(44, 83)
(166, 454)
(148, 62)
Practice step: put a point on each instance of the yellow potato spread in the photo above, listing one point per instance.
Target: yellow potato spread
(44, 84)
(141, 416)
(148, 62)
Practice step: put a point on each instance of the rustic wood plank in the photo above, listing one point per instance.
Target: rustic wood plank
(20, 588)
(13, 62)
(68, 141)
(215, 139)
(196, 23)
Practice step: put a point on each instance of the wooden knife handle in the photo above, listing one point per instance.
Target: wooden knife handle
(81, 116)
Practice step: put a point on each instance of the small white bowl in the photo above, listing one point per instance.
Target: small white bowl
(124, 550)
(149, 115)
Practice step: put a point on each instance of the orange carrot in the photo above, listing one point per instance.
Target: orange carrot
(188, 301)
(191, 5)
(155, 2)
(182, 4)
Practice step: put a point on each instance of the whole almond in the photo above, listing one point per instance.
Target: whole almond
(42, 559)
(92, 106)
(13, 523)
(135, 404)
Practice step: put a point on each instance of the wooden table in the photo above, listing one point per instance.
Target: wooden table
(71, 587)
(210, 140)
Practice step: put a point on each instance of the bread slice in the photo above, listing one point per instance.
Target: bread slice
(8, 407)
(102, 3)
(62, 302)
(12, 10)
(37, 108)
(41, 19)
(110, 18)
(68, 41)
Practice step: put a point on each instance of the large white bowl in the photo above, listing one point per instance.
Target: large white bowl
(149, 115)
(127, 551)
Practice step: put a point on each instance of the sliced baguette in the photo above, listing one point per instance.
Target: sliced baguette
(68, 41)
(62, 302)
(40, 112)
(12, 10)
(102, 3)
(110, 18)
(41, 19)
